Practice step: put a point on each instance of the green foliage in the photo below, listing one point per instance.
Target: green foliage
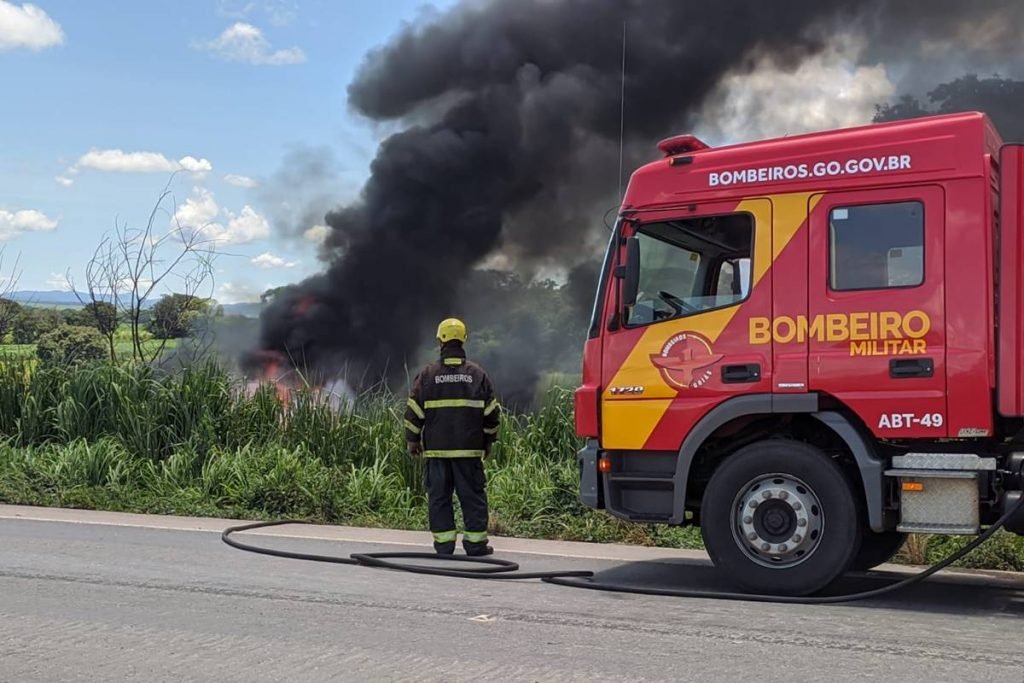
(1003, 551)
(9, 312)
(174, 316)
(71, 344)
(101, 315)
(132, 438)
(32, 322)
(998, 97)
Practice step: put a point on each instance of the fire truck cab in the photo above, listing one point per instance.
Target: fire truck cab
(811, 346)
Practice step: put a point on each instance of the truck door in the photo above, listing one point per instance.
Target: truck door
(876, 307)
(683, 346)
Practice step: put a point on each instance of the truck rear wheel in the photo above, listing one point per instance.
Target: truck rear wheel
(780, 517)
(877, 548)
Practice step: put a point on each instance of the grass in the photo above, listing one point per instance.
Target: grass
(129, 438)
(123, 348)
(17, 351)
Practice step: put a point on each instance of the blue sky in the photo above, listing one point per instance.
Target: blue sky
(104, 100)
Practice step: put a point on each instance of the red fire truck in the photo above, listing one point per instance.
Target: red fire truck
(812, 346)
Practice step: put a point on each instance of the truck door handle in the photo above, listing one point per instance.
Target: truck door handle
(902, 368)
(738, 374)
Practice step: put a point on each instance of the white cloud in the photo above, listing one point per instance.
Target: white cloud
(239, 180)
(242, 42)
(317, 234)
(198, 210)
(193, 165)
(15, 223)
(27, 27)
(239, 292)
(201, 214)
(247, 226)
(64, 181)
(59, 281)
(279, 12)
(828, 90)
(119, 161)
(268, 260)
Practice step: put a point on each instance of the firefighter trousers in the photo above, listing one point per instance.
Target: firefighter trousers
(464, 476)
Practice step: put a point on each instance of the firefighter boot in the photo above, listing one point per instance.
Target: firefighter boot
(478, 549)
(445, 548)
(475, 543)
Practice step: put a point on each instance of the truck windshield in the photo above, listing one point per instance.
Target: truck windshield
(692, 266)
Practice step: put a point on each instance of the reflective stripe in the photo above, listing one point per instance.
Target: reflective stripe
(453, 454)
(490, 430)
(444, 536)
(475, 536)
(412, 428)
(453, 361)
(415, 407)
(491, 407)
(453, 403)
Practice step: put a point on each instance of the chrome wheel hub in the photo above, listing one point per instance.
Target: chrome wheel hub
(778, 521)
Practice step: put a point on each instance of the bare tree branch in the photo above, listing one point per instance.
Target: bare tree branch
(8, 283)
(129, 266)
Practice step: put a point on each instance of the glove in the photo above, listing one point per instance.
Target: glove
(415, 449)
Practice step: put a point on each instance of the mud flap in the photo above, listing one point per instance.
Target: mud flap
(590, 484)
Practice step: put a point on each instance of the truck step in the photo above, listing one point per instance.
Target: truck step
(640, 477)
(644, 517)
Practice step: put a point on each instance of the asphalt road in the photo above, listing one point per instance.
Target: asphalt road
(87, 601)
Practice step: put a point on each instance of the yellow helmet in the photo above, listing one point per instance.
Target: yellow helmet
(452, 328)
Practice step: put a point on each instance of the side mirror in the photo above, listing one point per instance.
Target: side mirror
(631, 273)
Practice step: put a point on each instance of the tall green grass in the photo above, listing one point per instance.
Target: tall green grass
(133, 438)
(130, 437)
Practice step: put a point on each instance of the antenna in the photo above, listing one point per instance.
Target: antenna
(622, 109)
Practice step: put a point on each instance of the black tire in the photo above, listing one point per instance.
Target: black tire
(838, 536)
(877, 548)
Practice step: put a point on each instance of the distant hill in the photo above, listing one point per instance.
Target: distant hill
(245, 309)
(64, 299)
(51, 297)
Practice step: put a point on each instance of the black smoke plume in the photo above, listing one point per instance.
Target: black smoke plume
(510, 127)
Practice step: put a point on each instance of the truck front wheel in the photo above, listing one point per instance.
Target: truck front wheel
(877, 548)
(780, 518)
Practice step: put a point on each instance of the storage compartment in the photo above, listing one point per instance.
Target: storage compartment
(938, 502)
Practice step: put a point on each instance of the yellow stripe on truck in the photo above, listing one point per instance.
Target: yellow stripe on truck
(629, 421)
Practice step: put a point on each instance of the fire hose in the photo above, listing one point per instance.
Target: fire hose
(497, 568)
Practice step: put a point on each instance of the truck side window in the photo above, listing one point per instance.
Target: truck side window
(876, 246)
(691, 266)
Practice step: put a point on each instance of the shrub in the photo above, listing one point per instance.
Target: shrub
(70, 344)
(175, 316)
(30, 323)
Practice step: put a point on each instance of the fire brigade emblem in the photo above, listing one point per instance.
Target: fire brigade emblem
(686, 361)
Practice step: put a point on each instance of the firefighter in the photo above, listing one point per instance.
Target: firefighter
(451, 421)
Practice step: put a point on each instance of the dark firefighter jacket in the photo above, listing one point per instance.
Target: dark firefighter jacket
(451, 409)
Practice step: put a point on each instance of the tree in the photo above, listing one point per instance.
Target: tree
(70, 344)
(99, 315)
(9, 309)
(1000, 98)
(174, 316)
(130, 265)
(9, 312)
(33, 322)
